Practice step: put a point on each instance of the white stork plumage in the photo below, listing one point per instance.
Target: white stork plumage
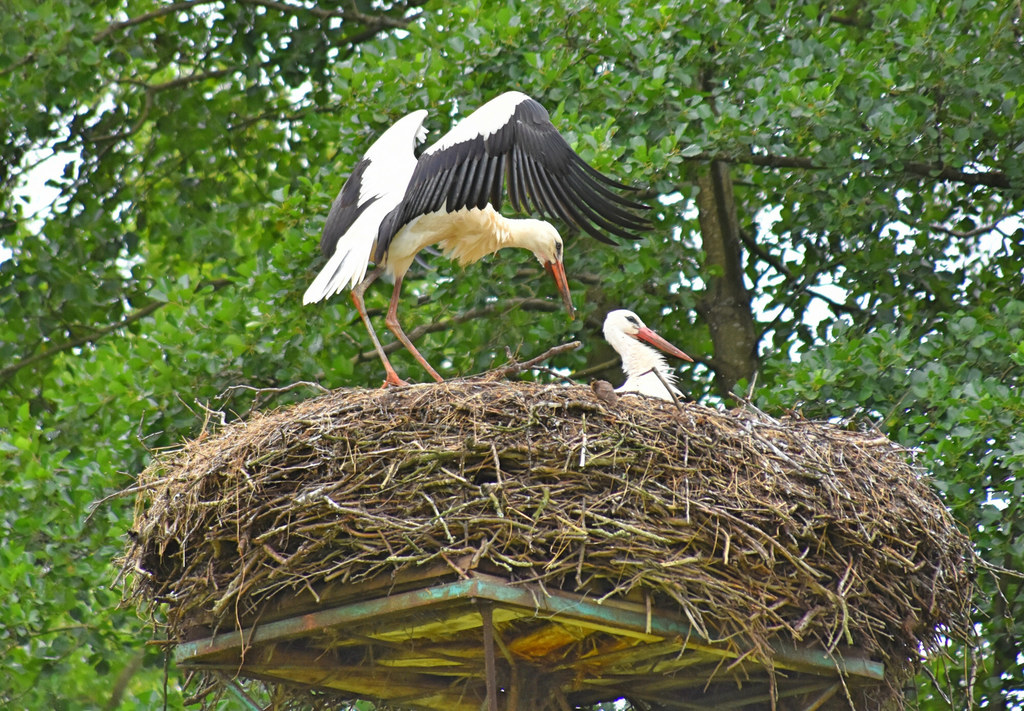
(393, 204)
(627, 334)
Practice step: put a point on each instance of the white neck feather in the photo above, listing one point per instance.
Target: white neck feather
(530, 234)
(638, 360)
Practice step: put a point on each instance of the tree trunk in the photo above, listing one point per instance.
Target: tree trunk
(725, 304)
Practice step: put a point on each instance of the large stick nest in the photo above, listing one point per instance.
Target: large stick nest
(755, 528)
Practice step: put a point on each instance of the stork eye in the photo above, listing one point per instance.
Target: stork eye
(632, 320)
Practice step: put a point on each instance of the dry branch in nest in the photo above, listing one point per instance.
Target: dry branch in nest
(755, 529)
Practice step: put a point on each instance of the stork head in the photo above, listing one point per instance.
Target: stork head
(622, 323)
(543, 240)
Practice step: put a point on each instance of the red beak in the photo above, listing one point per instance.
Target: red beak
(646, 334)
(556, 270)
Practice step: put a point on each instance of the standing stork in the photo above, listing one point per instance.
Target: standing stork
(627, 334)
(393, 204)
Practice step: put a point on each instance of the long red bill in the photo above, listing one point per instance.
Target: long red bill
(646, 334)
(556, 270)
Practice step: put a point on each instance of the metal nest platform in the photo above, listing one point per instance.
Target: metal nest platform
(446, 645)
(354, 545)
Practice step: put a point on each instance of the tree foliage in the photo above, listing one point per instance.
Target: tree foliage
(872, 175)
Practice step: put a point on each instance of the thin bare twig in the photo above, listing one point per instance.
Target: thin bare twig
(276, 391)
(515, 368)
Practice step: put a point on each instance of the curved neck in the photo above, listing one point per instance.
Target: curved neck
(527, 234)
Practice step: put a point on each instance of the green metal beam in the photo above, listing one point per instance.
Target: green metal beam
(348, 614)
(523, 597)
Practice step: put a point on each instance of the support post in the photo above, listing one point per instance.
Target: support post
(489, 666)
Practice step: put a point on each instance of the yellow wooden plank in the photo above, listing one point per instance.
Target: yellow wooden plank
(417, 691)
(441, 626)
(542, 642)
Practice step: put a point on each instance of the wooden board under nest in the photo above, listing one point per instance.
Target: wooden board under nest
(758, 551)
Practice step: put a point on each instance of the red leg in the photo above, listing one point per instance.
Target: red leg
(396, 328)
(357, 297)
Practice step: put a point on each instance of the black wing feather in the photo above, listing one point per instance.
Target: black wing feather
(542, 197)
(465, 196)
(515, 179)
(596, 219)
(433, 195)
(591, 219)
(582, 169)
(568, 204)
(497, 181)
(591, 196)
(529, 159)
(389, 225)
(484, 182)
(345, 209)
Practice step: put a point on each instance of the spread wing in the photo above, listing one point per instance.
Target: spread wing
(510, 145)
(374, 188)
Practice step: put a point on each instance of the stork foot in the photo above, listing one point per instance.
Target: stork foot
(392, 381)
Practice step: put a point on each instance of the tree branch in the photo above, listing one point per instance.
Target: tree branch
(935, 226)
(850, 20)
(147, 16)
(230, 390)
(191, 78)
(94, 336)
(937, 171)
(258, 393)
(764, 255)
(528, 303)
(10, 370)
(798, 285)
(121, 135)
(352, 15)
(151, 90)
(837, 305)
(28, 58)
(988, 178)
